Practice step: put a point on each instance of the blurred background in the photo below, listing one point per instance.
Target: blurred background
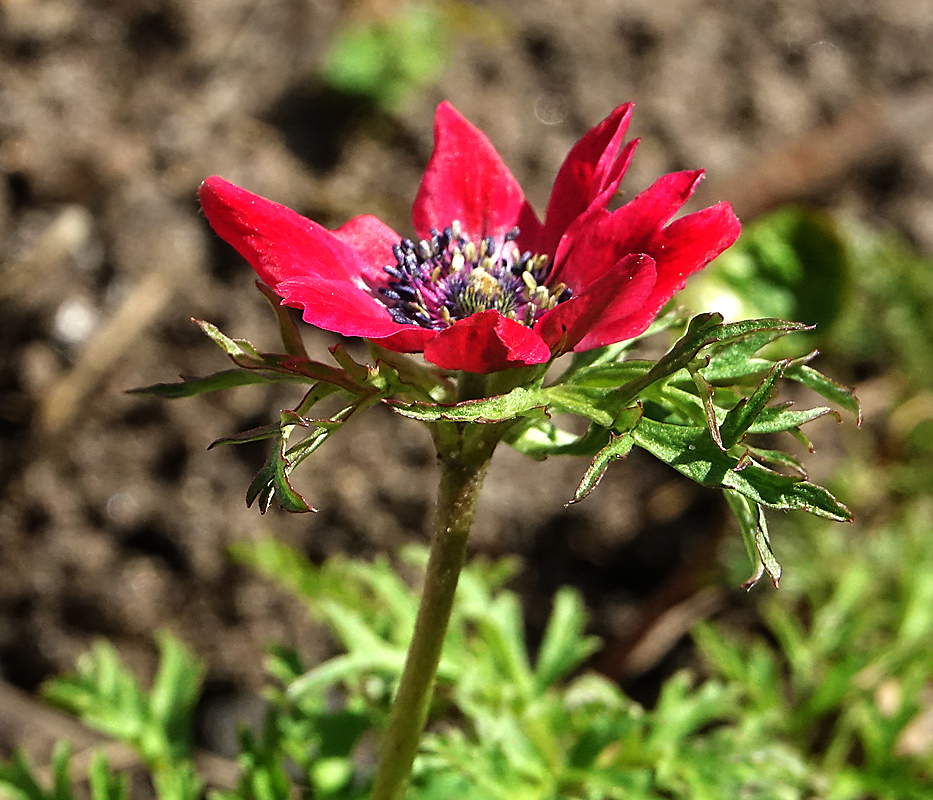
(813, 119)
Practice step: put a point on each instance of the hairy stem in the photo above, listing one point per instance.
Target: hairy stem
(462, 474)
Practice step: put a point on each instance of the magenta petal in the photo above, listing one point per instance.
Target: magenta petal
(654, 207)
(598, 238)
(306, 264)
(620, 290)
(407, 339)
(466, 180)
(682, 248)
(330, 303)
(484, 343)
(279, 243)
(590, 174)
(688, 244)
(372, 240)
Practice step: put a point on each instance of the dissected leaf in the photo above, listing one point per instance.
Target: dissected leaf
(520, 402)
(754, 528)
(692, 452)
(842, 396)
(741, 418)
(271, 482)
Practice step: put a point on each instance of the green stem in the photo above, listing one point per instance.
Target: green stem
(462, 474)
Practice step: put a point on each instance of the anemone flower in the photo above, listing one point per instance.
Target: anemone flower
(487, 286)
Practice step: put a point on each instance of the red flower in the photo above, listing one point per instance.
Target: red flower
(488, 286)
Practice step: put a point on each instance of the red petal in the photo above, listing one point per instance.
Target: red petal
(682, 248)
(590, 174)
(621, 290)
(486, 342)
(599, 239)
(306, 264)
(372, 240)
(466, 180)
(408, 339)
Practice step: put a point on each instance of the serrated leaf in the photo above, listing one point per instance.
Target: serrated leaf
(520, 402)
(291, 336)
(618, 447)
(692, 452)
(271, 482)
(228, 379)
(842, 396)
(700, 332)
(736, 359)
(741, 418)
(754, 528)
(778, 419)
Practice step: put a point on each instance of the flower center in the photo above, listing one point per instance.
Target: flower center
(440, 280)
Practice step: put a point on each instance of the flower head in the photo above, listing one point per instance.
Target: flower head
(487, 286)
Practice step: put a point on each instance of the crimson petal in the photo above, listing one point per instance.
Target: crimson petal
(598, 239)
(590, 174)
(467, 181)
(621, 290)
(306, 264)
(372, 240)
(682, 248)
(486, 342)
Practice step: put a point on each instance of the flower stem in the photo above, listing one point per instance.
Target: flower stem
(462, 474)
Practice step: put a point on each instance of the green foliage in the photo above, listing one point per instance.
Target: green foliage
(389, 52)
(828, 703)
(848, 661)
(516, 728)
(158, 723)
(18, 780)
(385, 59)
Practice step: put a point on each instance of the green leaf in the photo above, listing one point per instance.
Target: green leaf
(735, 360)
(700, 332)
(777, 458)
(18, 780)
(842, 396)
(744, 414)
(754, 528)
(104, 782)
(692, 452)
(237, 349)
(565, 645)
(709, 410)
(595, 405)
(228, 379)
(618, 447)
(175, 691)
(605, 376)
(271, 482)
(291, 336)
(520, 402)
(541, 438)
(778, 419)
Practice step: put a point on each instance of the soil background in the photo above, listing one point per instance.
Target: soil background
(114, 518)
